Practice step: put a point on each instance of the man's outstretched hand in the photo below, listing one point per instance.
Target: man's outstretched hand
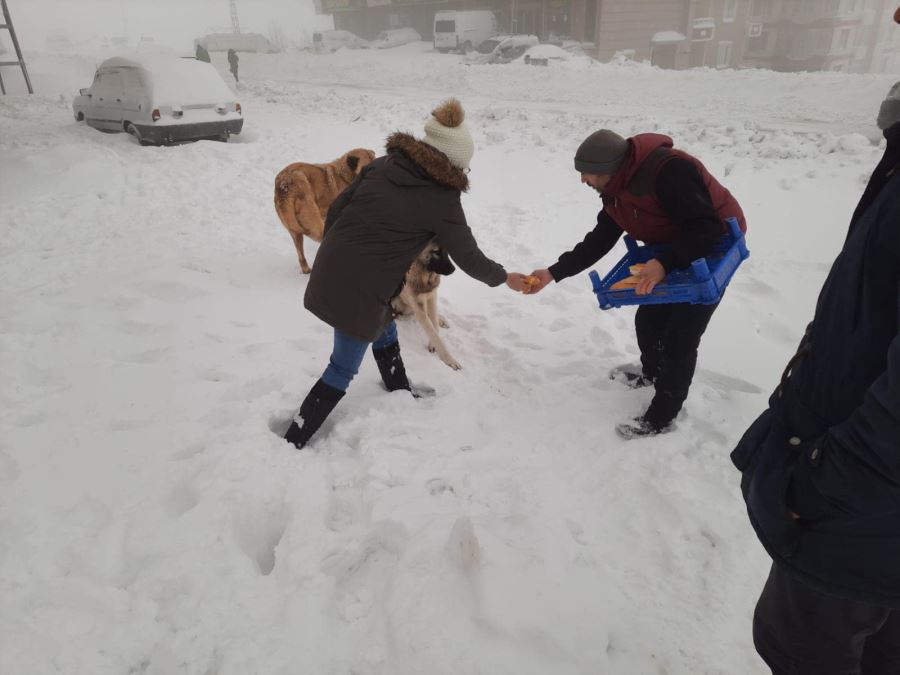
(536, 281)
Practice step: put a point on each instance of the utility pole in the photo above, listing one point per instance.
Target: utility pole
(8, 25)
(235, 24)
(124, 20)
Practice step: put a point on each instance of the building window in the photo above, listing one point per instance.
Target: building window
(758, 43)
(723, 59)
(730, 11)
(844, 39)
(590, 20)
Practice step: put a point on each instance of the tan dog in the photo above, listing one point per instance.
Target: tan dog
(303, 193)
(419, 297)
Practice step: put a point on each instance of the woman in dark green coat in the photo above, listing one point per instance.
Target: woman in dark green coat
(373, 232)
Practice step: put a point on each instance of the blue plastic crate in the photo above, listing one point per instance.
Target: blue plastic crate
(703, 283)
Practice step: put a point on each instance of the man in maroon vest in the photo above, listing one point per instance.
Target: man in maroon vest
(658, 195)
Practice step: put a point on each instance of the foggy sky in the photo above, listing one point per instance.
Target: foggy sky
(173, 23)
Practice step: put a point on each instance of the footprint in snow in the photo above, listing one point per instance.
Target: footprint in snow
(280, 421)
(437, 486)
(724, 382)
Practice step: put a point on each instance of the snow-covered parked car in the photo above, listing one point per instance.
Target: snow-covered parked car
(502, 48)
(543, 55)
(160, 99)
(394, 38)
(327, 41)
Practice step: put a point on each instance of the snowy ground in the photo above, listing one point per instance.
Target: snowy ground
(152, 335)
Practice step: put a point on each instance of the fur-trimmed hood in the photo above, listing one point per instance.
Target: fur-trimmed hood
(433, 162)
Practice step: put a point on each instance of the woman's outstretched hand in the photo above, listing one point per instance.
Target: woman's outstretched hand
(517, 282)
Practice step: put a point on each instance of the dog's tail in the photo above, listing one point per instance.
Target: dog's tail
(288, 198)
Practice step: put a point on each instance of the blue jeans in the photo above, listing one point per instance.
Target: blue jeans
(348, 354)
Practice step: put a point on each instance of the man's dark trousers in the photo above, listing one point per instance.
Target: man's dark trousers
(800, 631)
(668, 337)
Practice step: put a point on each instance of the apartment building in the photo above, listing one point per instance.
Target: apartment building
(785, 35)
(839, 35)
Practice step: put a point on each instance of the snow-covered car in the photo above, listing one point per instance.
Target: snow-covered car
(327, 41)
(542, 55)
(160, 99)
(394, 38)
(502, 48)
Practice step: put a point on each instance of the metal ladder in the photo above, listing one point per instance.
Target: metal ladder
(8, 25)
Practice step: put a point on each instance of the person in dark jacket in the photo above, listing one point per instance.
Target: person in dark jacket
(821, 466)
(658, 195)
(233, 63)
(202, 54)
(373, 232)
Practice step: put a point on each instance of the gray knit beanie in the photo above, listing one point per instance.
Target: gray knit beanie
(446, 131)
(889, 113)
(601, 153)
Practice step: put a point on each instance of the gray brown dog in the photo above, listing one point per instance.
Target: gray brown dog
(303, 193)
(419, 297)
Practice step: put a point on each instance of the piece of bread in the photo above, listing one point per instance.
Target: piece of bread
(626, 283)
(636, 269)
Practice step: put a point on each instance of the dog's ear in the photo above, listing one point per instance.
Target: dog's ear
(439, 262)
(352, 162)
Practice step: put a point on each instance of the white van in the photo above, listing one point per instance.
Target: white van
(327, 41)
(395, 37)
(463, 30)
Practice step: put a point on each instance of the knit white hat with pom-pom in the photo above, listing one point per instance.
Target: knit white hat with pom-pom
(447, 132)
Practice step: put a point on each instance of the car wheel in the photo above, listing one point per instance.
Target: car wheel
(79, 117)
(133, 130)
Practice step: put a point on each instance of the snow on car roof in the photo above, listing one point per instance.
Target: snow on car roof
(176, 81)
(520, 40)
(547, 52)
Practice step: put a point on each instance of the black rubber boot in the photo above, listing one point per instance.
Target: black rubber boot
(390, 365)
(317, 405)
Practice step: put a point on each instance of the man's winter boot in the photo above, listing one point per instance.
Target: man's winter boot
(657, 420)
(317, 405)
(641, 427)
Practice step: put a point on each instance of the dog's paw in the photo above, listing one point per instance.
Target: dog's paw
(431, 348)
(452, 363)
(443, 322)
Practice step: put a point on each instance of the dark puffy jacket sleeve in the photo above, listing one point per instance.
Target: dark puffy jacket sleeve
(456, 237)
(855, 467)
